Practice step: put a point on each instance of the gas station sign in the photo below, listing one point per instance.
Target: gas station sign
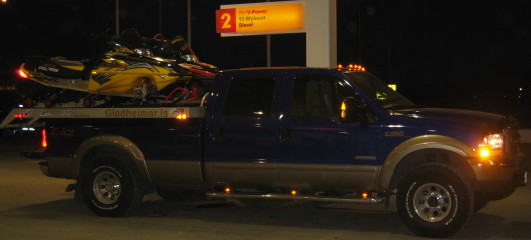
(260, 18)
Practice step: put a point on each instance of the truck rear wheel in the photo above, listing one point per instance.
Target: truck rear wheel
(434, 201)
(110, 186)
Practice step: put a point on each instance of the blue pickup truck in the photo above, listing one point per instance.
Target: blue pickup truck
(330, 135)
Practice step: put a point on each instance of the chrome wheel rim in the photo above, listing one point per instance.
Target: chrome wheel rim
(432, 202)
(106, 187)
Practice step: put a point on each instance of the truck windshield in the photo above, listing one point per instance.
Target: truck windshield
(378, 91)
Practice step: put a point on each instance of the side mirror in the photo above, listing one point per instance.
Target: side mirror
(353, 110)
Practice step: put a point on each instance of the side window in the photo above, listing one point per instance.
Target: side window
(250, 97)
(319, 96)
(314, 96)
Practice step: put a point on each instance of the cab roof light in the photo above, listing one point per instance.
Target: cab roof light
(351, 67)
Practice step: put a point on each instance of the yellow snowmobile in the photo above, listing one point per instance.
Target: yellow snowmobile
(134, 70)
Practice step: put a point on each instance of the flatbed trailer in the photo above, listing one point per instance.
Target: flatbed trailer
(32, 117)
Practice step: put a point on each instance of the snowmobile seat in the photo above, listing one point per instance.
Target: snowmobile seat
(61, 61)
(65, 68)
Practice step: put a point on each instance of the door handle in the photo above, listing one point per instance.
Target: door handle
(218, 134)
(285, 134)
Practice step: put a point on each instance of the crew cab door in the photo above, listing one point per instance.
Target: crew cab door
(319, 149)
(243, 132)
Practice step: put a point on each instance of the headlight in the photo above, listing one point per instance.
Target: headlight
(494, 141)
(190, 58)
(144, 52)
(491, 146)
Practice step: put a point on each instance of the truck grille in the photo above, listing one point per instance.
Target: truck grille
(511, 142)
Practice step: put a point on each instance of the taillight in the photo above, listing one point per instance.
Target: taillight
(44, 139)
(21, 73)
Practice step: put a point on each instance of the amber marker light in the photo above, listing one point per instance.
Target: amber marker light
(484, 152)
(343, 110)
(182, 116)
(365, 195)
(228, 190)
(294, 192)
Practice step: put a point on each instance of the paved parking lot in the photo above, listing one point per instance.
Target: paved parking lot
(33, 206)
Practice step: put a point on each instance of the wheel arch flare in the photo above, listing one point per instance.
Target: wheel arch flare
(92, 145)
(423, 149)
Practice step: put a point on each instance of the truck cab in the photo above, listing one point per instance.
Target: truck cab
(337, 134)
(278, 128)
(326, 130)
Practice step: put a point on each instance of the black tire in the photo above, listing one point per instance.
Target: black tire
(434, 201)
(110, 184)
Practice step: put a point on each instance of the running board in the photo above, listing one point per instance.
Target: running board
(294, 197)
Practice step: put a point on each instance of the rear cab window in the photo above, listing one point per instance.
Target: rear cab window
(250, 96)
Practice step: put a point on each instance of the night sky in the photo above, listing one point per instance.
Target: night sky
(462, 54)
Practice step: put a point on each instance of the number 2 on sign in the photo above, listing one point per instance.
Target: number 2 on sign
(226, 23)
(226, 20)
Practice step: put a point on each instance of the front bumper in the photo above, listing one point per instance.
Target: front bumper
(513, 170)
(498, 181)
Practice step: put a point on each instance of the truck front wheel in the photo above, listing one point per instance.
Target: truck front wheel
(434, 201)
(110, 186)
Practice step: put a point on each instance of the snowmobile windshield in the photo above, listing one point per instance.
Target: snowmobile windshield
(180, 48)
(131, 39)
(379, 91)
